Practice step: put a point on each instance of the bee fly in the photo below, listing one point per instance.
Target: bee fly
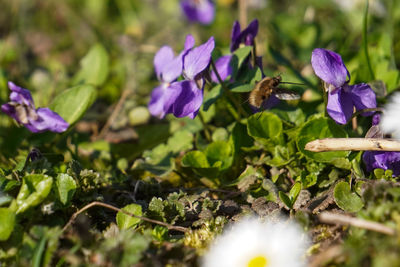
(267, 86)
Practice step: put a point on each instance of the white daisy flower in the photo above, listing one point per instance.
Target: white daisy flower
(252, 243)
(390, 119)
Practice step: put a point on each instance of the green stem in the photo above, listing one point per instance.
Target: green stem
(355, 114)
(325, 97)
(365, 40)
(254, 54)
(227, 92)
(206, 131)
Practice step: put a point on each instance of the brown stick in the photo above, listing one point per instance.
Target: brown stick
(114, 114)
(97, 203)
(242, 12)
(353, 144)
(334, 218)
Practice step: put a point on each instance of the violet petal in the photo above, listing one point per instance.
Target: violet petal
(329, 67)
(10, 111)
(376, 119)
(189, 101)
(363, 97)
(163, 56)
(20, 95)
(340, 106)
(383, 160)
(223, 67)
(374, 160)
(172, 70)
(250, 33)
(202, 11)
(246, 36)
(235, 36)
(162, 99)
(189, 42)
(48, 121)
(156, 104)
(197, 59)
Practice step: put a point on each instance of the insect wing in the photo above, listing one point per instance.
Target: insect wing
(285, 94)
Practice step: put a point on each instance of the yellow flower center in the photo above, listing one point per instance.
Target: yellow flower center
(258, 261)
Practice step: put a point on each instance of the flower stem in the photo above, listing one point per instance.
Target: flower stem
(325, 97)
(355, 114)
(354, 120)
(206, 130)
(228, 93)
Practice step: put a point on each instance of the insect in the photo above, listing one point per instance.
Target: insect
(267, 86)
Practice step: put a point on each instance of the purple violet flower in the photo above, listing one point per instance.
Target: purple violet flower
(202, 11)
(195, 63)
(168, 68)
(342, 97)
(22, 109)
(182, 98)
(245, 37)
(381, 159)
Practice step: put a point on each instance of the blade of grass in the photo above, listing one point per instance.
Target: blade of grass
(365, 40)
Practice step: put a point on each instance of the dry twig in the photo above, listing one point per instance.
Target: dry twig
(114, 114)
(334, 218)
(97, 203)
(353, 144)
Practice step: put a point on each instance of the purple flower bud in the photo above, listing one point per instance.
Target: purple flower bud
(245, 37)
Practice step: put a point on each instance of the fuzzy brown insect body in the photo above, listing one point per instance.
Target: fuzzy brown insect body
(267, 86)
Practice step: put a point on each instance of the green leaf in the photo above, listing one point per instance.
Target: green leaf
(7, 223)
(66, 187)
(281, 156)
(220, 134)
(308, 179)
(240, 138)
(241, 88)
(266, 128)
(249, 172)
(345, 199)
(156, 206)
(379, 173)
(285, 199)
(4, 198)
(125, 221)
(34, 190)
(212, 96)
(72, 103)
(180, 141)
(198, 162)
(239, 56)
(219, 151)
(294, 192)
(94, 67)
(38, 253)
(159, 233)
(195, 159)
(319, 128)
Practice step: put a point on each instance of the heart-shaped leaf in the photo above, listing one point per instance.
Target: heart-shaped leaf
(345, 199)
